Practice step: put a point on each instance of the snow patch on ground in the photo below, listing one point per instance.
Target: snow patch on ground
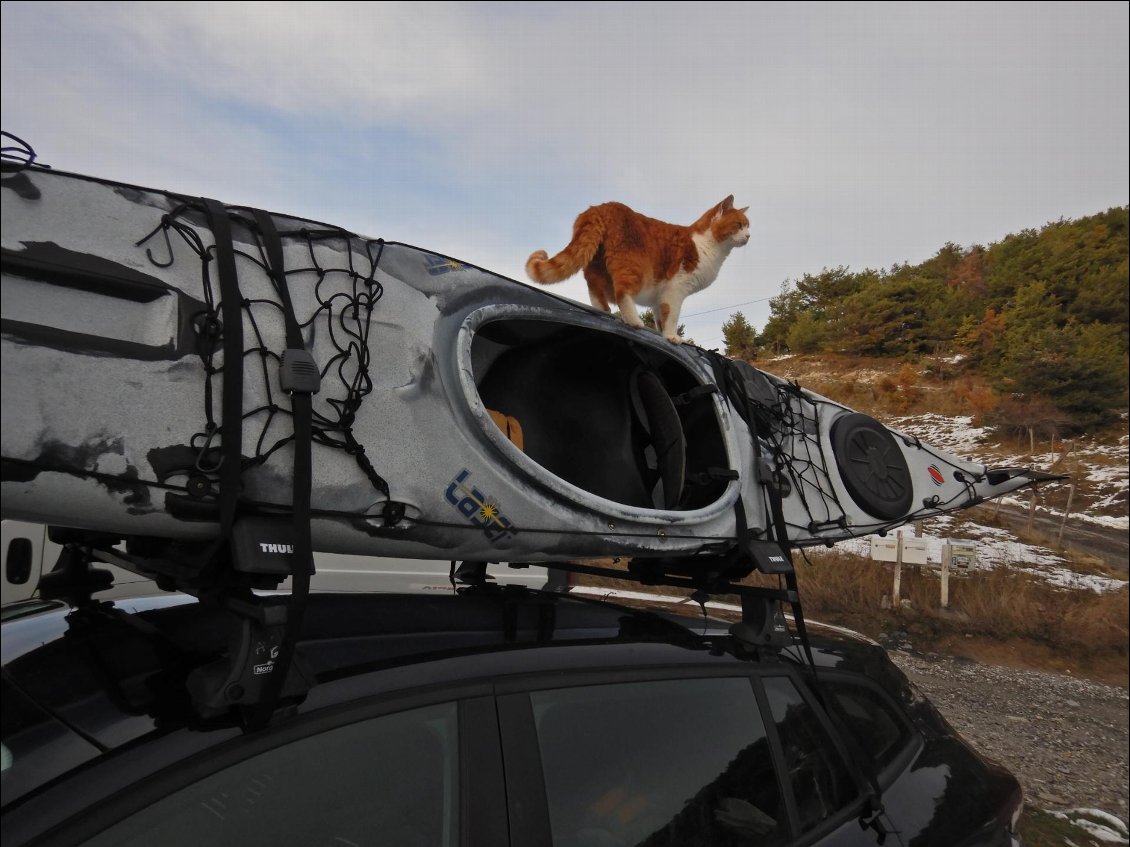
(995, 548)
(1098, 824)
(1106, 467)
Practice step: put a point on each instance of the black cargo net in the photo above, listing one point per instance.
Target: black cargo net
(344, 297)
(790, 438)
(798, 457)
(788, 432)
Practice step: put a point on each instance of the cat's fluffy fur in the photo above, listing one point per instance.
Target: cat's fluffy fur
(629, 258)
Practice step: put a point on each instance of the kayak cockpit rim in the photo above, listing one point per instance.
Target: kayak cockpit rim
(504, 353)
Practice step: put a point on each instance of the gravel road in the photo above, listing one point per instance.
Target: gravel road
(1107, 543)
(1064, 738)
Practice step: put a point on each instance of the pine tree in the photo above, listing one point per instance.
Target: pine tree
(1078, 367)
(740, 337)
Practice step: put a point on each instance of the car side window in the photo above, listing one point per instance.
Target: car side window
(820, 781)
(660, 764)
(391, 780)
(872, 720)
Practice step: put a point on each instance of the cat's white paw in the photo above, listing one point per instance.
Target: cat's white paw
(674, 339)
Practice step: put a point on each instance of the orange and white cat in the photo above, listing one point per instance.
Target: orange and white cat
(629, 258)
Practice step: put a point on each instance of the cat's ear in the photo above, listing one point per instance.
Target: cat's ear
(744, 209)
(721, 209)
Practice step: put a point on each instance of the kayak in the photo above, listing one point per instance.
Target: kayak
(154, 346)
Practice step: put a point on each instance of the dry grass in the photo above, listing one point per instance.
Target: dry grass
(1044, 626)
(1001, 603)
(1101, 624)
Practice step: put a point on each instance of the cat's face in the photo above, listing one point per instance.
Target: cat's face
(731, 225)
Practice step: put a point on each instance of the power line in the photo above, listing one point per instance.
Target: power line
(724, 308)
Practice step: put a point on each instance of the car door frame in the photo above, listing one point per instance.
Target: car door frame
(525, 781)
(124, 782)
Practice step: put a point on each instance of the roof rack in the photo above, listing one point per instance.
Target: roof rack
(240, 679)
(762, 624)
(226, 579)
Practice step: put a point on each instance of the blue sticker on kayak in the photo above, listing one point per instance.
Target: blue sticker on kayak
(479, 509)
(437, 265)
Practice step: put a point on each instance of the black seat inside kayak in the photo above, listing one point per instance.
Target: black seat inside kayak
(664, 446)
(593, 416)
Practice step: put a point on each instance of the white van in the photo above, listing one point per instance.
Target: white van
(29, 553)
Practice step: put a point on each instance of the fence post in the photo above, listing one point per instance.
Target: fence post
(1066, 511)
(947, 557)
(896, 600)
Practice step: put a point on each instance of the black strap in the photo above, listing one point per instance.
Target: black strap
(231, 312)
(696, 393)
(737, 392)
(862, 766)
(711, 475)
(871, 817)
(272, 243)
(302, 406)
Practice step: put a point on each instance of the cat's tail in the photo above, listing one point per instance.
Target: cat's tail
(588, 232)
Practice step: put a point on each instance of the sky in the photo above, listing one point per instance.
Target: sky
(859, 134)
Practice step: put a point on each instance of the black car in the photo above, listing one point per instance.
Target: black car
(487, 716)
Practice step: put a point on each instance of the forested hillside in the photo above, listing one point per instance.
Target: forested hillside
(1041, 317)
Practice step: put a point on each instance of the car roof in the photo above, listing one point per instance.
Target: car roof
(400, 626)
(116, 673)
(349, 634)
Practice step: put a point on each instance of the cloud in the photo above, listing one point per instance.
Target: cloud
(859, 134)
(377, 62)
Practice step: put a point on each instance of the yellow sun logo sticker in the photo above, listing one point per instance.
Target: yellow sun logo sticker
(479, 510)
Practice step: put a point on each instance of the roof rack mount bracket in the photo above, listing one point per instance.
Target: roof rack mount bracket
(238, 678)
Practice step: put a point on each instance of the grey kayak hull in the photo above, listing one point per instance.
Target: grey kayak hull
(460, 414)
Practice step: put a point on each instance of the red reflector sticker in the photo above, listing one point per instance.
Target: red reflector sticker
(936, 475)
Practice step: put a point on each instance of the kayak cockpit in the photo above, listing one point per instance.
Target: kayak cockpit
(617, 418)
